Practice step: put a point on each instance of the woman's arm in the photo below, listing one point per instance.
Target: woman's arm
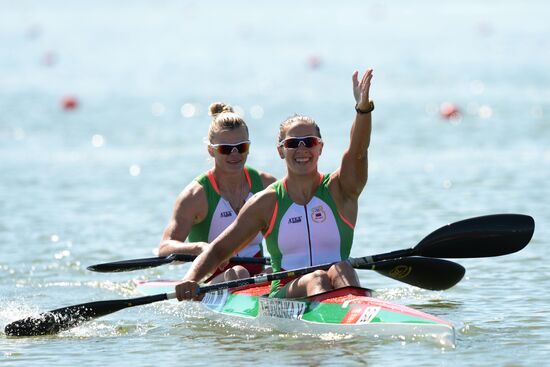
(253, 218)
(190, 208)
(353, 172)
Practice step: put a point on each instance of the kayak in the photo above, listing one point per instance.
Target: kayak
(348, 311)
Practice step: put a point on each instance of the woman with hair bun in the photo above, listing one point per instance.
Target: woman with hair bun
(211, 202)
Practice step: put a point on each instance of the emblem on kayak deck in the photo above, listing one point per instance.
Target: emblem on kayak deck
(318, 214)
(368, 315)
(215, 300)
(400, 271)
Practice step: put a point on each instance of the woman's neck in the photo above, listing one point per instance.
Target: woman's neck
(301, 188)
(233, 187)
(230, 181)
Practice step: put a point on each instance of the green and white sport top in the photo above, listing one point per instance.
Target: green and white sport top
(307, 235)
(221, 214)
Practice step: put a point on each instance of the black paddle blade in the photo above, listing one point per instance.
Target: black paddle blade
(129, 265)
(422, 272)
(54, 321)
(487, 236)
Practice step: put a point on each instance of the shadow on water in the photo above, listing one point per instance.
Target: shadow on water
(436, 304)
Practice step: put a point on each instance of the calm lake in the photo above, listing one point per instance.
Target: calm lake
(97, 183)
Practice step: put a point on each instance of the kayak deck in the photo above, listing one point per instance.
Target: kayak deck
(348, 310)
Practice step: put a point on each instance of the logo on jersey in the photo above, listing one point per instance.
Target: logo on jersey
(295, 220)
(225, 214)
(318, 214)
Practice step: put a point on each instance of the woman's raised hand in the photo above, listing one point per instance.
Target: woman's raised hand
(361, 89)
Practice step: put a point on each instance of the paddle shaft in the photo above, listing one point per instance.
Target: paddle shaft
(265, 278)
(233, 260)
(388, 255)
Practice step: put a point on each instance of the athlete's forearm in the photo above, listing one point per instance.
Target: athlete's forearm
(360, 135)
(353, 173)
(168, 247)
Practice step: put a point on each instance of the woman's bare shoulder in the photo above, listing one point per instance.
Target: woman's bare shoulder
(267, 178)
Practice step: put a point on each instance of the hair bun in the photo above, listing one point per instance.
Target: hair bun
(219, 107)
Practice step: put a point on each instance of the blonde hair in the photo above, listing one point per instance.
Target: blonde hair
(295, 118)
(223, 118)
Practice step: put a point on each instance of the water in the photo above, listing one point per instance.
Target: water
(98, 183)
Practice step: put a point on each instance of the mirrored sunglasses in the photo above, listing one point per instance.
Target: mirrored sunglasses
(241, 147)
(307, 141)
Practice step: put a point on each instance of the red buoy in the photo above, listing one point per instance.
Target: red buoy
(449, 111)
(69, 102)
(314, 62)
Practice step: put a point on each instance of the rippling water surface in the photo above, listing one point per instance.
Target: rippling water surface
(97, 183)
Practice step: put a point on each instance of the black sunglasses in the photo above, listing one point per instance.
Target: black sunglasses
(307, 141)
(241, 147)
